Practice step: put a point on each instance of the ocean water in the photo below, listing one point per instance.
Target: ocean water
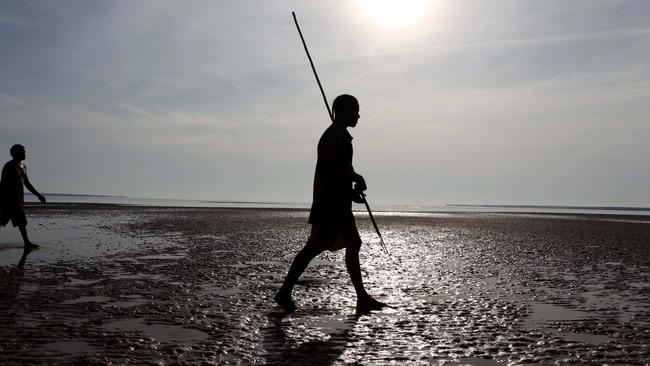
(163, 202)
(160, 202)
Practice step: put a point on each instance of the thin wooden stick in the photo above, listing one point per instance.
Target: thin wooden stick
(329, 112)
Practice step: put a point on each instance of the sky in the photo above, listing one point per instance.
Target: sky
(463, 101)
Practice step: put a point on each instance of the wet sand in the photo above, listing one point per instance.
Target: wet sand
(146, 285)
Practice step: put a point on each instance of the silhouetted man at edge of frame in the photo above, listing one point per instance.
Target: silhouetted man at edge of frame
(333, 225)
(12, 193)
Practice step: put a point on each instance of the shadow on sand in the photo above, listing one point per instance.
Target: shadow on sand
(283, 349)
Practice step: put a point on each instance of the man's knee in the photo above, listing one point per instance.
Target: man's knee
(352, 254)
(309, 251)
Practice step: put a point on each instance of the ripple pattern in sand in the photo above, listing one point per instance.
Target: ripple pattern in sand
(465, 289)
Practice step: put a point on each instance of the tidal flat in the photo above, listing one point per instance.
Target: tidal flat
(153, 285)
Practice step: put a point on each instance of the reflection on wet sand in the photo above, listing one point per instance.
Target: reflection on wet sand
(306, 346)
(11, 281)
(195, 286)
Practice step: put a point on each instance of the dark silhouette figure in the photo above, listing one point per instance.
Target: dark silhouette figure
(333, 225)
(12, 193)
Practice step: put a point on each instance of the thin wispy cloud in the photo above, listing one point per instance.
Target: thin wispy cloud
(10, 20)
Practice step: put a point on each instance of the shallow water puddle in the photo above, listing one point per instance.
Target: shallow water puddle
(72, 238)
(69, 347)
(595, 339)
(85, 299)
(217, 238)
(163, 256)
(264, 263)
(80, 282)
(130, 302)
(474, 361)
(543, 313)
(162, 332)
(11, 245)
(28, 288)
(141, 276)
(331, 324)
(28, 323)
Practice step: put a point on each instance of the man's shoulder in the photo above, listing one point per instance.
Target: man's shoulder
(9, 165)
(334, 133)
(8, 174)
(328, 134)
(329, 130)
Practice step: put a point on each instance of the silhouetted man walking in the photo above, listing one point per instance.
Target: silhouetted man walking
(12, 193)
(333, 225)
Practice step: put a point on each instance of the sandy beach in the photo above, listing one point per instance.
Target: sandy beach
(145, 285)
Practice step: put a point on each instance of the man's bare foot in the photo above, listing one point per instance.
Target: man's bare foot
(365, 306)
(31, 246)
(284, 300)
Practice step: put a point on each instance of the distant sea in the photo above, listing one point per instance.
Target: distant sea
(132, 201)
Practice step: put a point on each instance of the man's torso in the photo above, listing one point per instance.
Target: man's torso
(332, 199)
(12, 184)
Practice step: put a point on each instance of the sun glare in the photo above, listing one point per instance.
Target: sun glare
(395, 13)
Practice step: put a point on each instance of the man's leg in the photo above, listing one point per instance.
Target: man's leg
(300, 263)
(354, 269)
(365, 302)
(23, 231)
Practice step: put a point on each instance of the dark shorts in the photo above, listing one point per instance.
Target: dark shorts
(15, 214)
(334, 236)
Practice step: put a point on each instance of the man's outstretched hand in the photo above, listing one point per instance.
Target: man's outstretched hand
(41, 198)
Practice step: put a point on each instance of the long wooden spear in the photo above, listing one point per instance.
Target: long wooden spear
(329, 112)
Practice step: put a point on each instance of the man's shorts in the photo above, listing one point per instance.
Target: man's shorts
(15, 214)
(334, 236)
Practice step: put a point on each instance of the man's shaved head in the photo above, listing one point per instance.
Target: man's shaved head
(17, 150)
(346, 110)
(344, 103)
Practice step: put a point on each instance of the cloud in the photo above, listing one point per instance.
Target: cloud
(9, 102)
(12, 20)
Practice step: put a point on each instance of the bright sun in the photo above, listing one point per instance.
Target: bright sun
(395, 13)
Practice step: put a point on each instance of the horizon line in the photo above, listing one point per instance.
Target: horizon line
(519, 206)
(570, 207)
